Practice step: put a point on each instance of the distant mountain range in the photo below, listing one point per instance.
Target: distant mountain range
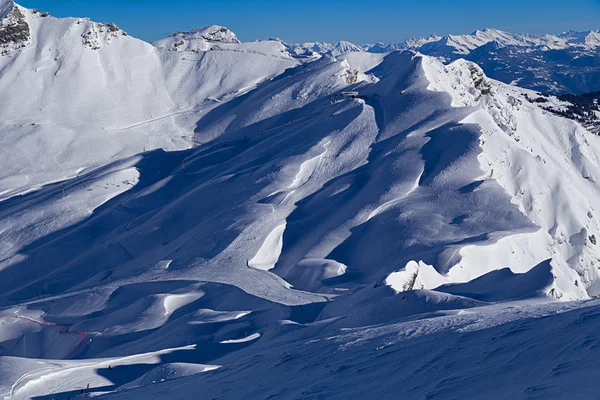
(556, 64)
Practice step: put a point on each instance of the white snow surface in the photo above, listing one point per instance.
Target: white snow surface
(81, 94)
(216, 218)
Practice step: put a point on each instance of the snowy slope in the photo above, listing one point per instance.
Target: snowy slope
(101, 95)
(414, 240)
(512, 351)
(337, 197)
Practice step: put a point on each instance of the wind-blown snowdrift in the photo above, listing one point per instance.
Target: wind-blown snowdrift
(304, 216)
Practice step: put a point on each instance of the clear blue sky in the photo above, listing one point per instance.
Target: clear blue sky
(331, 20)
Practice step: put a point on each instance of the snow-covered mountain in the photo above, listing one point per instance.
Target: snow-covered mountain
(321, 48)
(451, 47)
(231, 219)
(556, 64)
(99, 95)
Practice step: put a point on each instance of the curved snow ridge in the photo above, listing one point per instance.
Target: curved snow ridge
(307, 169)
(268, 254)
(173, 302)
(415, 276)
(246, 339)
(389, 204)
(206, 316)
(312, 274)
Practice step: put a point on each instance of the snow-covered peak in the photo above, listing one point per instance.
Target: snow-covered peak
(199, 39)
(344, 47)
(414, 43)
(589, 39)
(213, 33)
(14, 30)
(380, 47)
(451, 46)
(324, 48)
(593, 39)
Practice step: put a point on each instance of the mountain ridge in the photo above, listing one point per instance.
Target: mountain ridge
(235, 219)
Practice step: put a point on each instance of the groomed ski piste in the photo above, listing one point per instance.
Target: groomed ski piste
(204, 218)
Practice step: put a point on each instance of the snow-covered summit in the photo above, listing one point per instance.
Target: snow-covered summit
(344, 47)
(323, 48)
(14, 28)
(450, 47)
(418, 42)
(199, 39)
(590, 39)
(213, 33)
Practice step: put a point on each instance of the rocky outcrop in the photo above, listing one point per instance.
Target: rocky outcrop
(14, 31)
(99, 33)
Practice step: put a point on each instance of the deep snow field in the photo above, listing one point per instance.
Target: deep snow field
(204, 218)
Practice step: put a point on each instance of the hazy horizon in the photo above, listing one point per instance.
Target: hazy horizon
(295, 21)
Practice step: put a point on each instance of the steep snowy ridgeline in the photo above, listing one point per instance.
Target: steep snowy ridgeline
(344, 47)
(72, 81)
(549, 165)
(78, 94)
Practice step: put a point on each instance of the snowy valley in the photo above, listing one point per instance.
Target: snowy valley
(206, 218)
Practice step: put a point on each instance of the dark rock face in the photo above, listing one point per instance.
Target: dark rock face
(99, 33)
(14, 31)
